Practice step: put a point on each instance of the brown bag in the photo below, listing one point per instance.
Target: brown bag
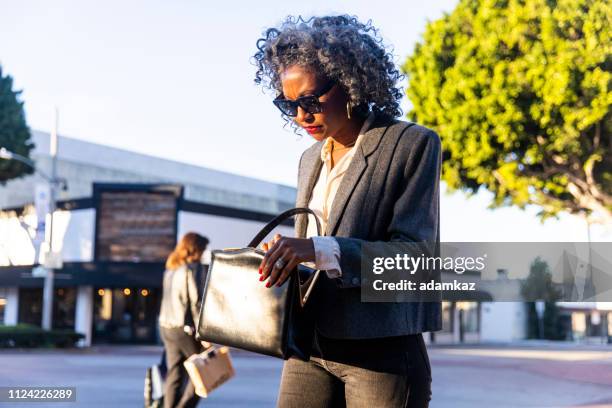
(209, 369)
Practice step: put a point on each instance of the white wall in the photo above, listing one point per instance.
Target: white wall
(502, 321)
(112, 158)
(224, 232)
(16, 245)
(83, 163)
(11, 309)
(73, 236)
(84, 314)
(74, 231)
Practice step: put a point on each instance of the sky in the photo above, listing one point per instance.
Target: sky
(173, 79)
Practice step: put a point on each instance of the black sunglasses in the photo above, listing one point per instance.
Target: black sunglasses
(310, 103)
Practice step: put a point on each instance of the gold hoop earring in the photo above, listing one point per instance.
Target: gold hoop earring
(349, 108)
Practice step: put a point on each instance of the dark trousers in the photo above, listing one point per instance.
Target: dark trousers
(179, 391)
(388, 372)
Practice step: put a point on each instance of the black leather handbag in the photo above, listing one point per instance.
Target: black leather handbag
(239, 311)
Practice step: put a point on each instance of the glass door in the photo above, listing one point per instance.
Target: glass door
(126, 315)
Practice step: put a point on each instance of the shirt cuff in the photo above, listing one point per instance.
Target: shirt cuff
(327, 256)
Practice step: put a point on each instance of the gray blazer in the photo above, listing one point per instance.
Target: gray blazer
(390, 192)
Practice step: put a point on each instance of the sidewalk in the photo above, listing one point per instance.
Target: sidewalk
(527, 344)
(470, 376)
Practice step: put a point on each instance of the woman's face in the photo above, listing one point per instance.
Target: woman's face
(298, 81)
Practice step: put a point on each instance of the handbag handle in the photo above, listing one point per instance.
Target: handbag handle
(276, 221)
(304, 288)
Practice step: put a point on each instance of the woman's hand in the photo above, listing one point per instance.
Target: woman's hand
(283, 254)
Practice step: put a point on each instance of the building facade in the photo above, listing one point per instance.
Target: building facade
(120, 215)
(116, 222)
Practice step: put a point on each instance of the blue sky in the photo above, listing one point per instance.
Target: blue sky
(173, 79)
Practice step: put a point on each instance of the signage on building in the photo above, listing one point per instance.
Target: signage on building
(42, 203)
(135, 225)
(52, 260)
(39, 272)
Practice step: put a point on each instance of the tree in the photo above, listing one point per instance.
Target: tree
(14, 132)
(539, 286)
(520, 92)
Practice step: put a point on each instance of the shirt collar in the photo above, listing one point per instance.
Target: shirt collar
(326, 149)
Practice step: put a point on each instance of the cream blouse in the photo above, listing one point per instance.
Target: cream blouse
(327, 250)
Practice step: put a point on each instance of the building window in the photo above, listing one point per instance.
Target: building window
(64, 308)
(125, 315)
(579, 326)
(469, 316)
(2, 304)
(447, 317)
(30, 306)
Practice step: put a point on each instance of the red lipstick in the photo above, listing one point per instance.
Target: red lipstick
(313, 129)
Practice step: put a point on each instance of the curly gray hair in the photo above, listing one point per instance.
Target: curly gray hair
(339, 48)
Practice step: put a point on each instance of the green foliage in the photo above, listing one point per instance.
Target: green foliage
(553, 326)
(533, 330)
(14, 132)
(25, 335)
(539, 286)
(520, 92)
(552, 323)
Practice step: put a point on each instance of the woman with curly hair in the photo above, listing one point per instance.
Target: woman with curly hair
(369, 178)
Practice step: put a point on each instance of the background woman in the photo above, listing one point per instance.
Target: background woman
(180, 305)
(370, 178)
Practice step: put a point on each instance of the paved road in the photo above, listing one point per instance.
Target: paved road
(463, 377)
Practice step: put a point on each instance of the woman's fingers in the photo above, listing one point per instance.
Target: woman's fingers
(285, 257)
(286, 272)
(265, 268)
(267, 246)
(291, 251)
(270, 259)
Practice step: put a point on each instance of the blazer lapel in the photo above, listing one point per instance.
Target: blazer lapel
(312, 165)
(359, 163)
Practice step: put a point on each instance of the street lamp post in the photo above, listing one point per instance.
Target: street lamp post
(54, 182)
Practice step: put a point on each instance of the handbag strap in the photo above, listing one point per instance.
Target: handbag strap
(304, 288)
(276, 221)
